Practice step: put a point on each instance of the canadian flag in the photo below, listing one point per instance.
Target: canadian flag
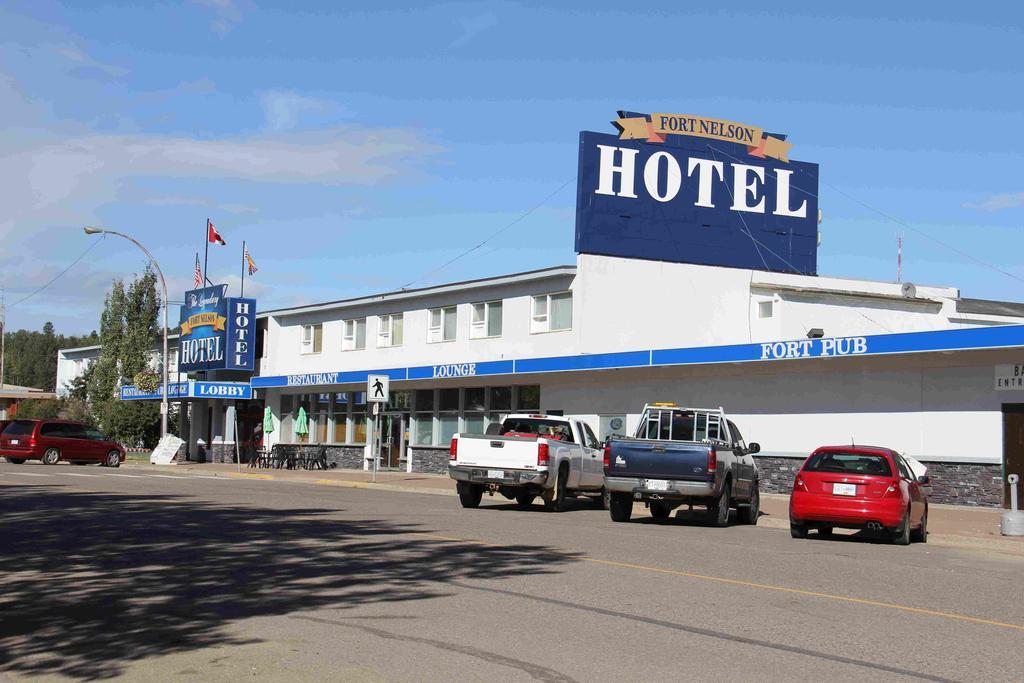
(212, 235)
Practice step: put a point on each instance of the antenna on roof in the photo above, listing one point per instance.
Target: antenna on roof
(851, 442)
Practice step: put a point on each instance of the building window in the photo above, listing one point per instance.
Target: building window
(287, 402)
(172, 360)
(528, 398)
(389, 332)
(442, 325)
(318, 423)
(423, 405)
(312, 338)
(359, 417)
(353, 335)
(486, 320)
(551, 312)
(340, 418)
(765, 309)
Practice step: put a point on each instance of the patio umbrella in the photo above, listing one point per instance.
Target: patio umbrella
(268, 420)
(301, 423)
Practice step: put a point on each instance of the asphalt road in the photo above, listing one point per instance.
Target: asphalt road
(122, 573)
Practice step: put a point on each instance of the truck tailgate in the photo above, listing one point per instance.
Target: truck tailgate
(498, 452)
(658, 459)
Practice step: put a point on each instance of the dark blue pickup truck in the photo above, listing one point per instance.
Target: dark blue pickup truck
(682, 456)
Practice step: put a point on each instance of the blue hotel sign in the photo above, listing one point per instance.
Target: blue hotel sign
(674, 187)
(217, 332)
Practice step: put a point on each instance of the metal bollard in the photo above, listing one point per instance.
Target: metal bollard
(1013, 519)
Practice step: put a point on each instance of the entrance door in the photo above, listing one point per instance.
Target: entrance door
(1013, 445)
(392, 439)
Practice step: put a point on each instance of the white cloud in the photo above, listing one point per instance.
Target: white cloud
(283, 110)
(999, 202)
(473, 27)
(83, 62)
(91, 168)
(226, 13)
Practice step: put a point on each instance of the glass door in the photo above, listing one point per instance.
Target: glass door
(393, 437)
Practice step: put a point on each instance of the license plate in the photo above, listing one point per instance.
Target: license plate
(14, 442)
(844, 489)
(495, 474)
(657, 485)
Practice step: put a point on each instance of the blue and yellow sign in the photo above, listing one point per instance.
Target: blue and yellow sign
(690, 189)
(217, 332)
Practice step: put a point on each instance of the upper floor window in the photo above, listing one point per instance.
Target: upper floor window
(765, 309)
(551, 312)
(442, 325)
(486, 320)
(353, 335)
(389, 332)
(312, 338)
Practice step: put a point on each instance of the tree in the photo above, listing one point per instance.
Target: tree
(31, 357)
(128, 332)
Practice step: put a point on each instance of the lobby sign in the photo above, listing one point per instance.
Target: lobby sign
(217, 332)
(191, 389)
(689, 189)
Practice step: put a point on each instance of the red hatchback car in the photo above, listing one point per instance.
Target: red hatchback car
(859, 487)
(54, 440)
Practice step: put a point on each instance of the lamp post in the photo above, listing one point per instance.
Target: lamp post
(163, 283)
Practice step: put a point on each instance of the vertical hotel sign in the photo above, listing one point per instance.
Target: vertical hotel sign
(217, 332)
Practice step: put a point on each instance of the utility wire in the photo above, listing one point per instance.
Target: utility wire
(472, 249)
(61, 273)
(895, 220)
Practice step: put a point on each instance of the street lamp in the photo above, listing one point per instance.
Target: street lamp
(163, 283)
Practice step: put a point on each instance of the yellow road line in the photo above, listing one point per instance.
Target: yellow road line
(769, 587)
(246, 475)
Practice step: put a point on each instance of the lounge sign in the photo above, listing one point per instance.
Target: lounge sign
(690, 189)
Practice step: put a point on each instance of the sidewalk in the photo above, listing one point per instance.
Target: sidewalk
(948, 525)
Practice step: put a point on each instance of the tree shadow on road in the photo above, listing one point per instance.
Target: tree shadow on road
(94, 581)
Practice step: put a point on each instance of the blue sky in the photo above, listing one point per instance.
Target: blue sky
(356, 150)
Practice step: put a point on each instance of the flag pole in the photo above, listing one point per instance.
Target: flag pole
(206, 259)
(243, 270)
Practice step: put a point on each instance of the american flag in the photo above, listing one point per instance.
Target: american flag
(199, 274)
(250, 262)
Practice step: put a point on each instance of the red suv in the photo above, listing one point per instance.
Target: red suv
(859, 487)
(54, 440)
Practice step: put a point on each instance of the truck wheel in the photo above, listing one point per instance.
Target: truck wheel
(524, 500)
(620, 505)
(601, 501)
(797, 530)
(748, 514)
(558, 501)
(660, 511)
(470, 494)
(51, 456)
(718, 512)
(16, 461)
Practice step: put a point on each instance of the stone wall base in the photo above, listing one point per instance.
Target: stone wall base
(952, 483)
(429, 460)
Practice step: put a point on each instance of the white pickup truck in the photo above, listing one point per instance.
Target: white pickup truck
(552, 456)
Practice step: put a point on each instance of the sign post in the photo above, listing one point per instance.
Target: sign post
(377, 393)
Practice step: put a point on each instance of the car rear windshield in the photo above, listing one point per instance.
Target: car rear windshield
(849, 463)
(551, 429)
(19, 428)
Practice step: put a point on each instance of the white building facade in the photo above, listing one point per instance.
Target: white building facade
(912, 368)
